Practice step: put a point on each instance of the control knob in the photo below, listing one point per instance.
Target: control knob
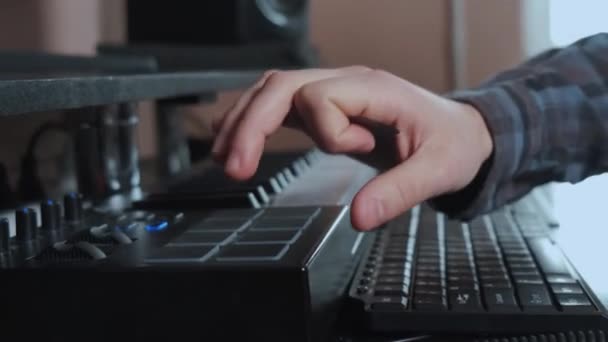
(72, 206)
(5, 235)
(26, 225)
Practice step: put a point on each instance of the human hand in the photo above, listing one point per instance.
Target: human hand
(439, 144)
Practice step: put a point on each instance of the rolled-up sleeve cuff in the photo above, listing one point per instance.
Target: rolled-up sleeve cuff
(485, 193)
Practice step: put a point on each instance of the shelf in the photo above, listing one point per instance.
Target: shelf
(22, 93)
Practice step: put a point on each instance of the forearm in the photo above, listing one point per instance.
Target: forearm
(549, 122)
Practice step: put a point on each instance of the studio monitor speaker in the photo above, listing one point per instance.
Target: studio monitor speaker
(217, 22)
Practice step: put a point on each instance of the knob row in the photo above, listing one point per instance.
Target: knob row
(26, 220)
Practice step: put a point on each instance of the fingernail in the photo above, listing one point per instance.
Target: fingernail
(373, 212)
(234, 163)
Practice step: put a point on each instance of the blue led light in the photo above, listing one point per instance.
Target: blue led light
(157, 226)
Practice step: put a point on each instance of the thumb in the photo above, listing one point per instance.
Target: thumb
(399, 189)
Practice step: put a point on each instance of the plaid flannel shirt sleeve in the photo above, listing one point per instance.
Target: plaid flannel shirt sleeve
(548, 118)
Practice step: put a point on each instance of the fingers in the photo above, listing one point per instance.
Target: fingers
(264, 114)
(221, 126)
(399, 189)
(342, 113)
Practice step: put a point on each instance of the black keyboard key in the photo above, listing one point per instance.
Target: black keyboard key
(461, 280)
(458, 257)
(389, 303)
(527, 273)
(428, 276)
(575, 303)
(536, 279)
(429, 268)
(534, 297)
(519, 260)
(390, 280)
(493, 278)
(496, 284)
(402, 258)
(560, 279)
(489, 272)
(464, 286)
(500, 300)
(391, 291)
(425, 302)
(495, 264)
(567, 289)
(522, 265)
(428, 261)
(428, 290)
(549, 257)
(464, 300)
(460, 272)
(524, 270)
(387, 265)
(390, 272)
(429, 254)
(428, 282)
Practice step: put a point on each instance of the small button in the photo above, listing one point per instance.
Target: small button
(365, 281)
(362, 290)
(157, 225)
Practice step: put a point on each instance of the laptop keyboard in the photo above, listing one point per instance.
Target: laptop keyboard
(427, 263)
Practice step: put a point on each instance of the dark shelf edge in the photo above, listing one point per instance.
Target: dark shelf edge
(23, 96)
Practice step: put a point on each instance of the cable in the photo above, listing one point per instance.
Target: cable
(8, 199)
(30, 186)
